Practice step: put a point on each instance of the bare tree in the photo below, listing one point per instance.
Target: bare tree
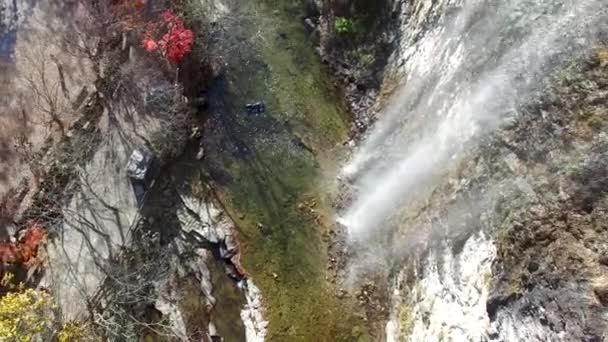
(42, 78)
(122, 308)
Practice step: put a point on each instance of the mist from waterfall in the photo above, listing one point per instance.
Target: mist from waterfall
(466, 66)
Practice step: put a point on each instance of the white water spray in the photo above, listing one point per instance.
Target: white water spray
(469, 65)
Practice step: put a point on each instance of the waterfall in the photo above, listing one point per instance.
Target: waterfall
(465, 69)
(464, 76)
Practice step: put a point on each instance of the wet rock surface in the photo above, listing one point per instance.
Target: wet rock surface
(536, 189)
(547, 274)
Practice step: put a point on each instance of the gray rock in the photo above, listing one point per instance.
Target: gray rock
(310, 25)
(201, 153)
(139, 165)
(8, 232)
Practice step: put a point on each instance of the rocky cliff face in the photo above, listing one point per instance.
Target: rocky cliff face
(508, 243)
(549, 274)
(517, 234)
(356, 56)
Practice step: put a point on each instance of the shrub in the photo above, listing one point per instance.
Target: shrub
(166, 104)
(25, 251)
(23, 314)
(74, 331)
(344, 25)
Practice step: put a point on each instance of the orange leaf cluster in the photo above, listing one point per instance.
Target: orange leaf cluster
(25, 251)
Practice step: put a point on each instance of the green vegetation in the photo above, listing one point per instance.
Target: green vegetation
(26, 313)
(406, 321)
(363, 56)
(360, 19)
(266, 164)
(344, 25)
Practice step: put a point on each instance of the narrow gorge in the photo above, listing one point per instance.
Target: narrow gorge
(308, 170)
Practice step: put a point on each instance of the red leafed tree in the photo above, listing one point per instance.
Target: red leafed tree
(25, 251)
(32, 238)
(176, 42)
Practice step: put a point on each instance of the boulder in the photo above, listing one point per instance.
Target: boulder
(8, 232)
(310, 25)
(139, 171)
(200, 154)
(140, 164)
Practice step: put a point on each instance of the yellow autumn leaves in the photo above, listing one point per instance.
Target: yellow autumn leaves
(23, 314)
(26, 312)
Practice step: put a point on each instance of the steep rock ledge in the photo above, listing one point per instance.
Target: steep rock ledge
(520, 221)
(549, 272)
(536, 190)
(358, 55)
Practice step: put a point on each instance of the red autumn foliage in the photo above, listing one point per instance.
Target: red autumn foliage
(24, 251)
(175, 43)
(31, 240)
(139, 3)
(150, 45)
(167, 34)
